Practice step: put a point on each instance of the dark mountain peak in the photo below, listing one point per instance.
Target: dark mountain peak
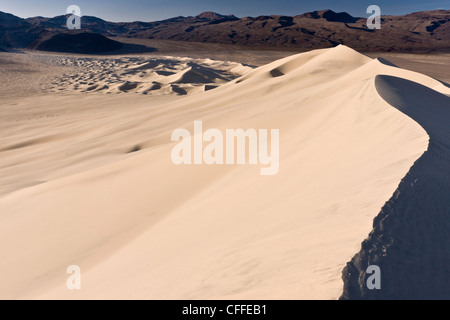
(331, 16)
(209, 15)
(212, 16)
(261, 18)
(174, 19)
(16, 32)
(4, 15)
(7, 19)
(92, 19)
(80, 42)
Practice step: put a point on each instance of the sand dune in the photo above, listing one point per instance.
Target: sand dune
(410, 237)
(141, 227)
(150, 76)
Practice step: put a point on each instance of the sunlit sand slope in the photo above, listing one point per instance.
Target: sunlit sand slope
(142, 227)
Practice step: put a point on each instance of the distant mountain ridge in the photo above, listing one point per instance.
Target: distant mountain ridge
(16, 32)
(420, 31)
(331, 16)
(213, 16)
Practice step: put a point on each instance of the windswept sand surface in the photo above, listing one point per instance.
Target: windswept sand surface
(87, 180)
(167, 75)
(26, 74)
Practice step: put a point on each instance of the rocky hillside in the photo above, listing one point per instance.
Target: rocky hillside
(416, 32)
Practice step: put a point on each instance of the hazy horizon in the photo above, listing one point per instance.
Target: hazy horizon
(139, 10)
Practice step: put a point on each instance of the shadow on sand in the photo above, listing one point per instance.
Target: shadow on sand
(410, 240)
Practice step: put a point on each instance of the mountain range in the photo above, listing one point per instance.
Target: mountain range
(425, 31)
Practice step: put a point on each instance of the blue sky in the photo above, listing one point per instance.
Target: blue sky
(151, 10)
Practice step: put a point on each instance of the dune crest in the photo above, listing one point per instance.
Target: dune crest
(409, 241)
(142, 227)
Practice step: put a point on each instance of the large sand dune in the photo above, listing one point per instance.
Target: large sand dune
(141, 227)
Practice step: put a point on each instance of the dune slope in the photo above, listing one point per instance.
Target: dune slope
(410, 240)
(142, 227)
